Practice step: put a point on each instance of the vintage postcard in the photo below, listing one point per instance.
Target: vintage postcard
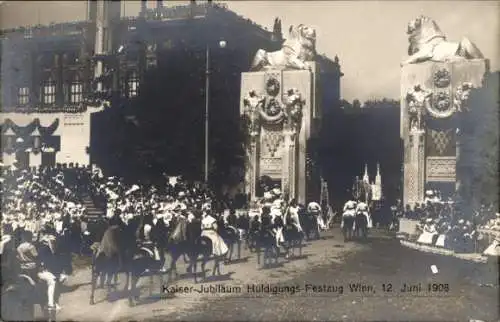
(249, 160)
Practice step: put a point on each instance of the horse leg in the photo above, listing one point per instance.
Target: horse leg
(93, 283)
(194, 268)
(230, 253)
(203, 264)
(132, 289)
(258, 254)
(239, 248)
(151, 284)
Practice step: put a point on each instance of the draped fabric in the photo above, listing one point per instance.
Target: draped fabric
(24, 131)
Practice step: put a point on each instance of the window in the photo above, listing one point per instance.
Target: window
(76, 91)
(49, 92)
(133, 84)
(23, 95)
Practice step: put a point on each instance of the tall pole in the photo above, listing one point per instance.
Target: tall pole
(207, 100)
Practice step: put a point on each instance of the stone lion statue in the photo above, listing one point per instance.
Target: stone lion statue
(428, 42)
(298, 48)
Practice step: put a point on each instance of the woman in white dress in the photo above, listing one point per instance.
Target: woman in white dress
(209, 230)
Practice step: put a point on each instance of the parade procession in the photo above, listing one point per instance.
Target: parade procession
(166, 161)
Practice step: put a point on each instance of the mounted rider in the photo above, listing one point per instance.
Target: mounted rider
(362, 208)
(314, 209)
(292, 216)
(209, 230)
(349, 211)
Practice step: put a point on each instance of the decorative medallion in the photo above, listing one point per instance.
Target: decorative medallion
(272, 107)
(442, 101)
(441, 106)
(442, 78)
(272, 87)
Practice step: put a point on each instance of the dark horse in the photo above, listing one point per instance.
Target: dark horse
(293, 238)
(119, 252)
(230, 235)
(309, 224)
(347, 226)
(266, 239)
(186, 239)
(361, 225)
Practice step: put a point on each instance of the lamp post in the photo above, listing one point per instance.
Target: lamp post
(222, 44)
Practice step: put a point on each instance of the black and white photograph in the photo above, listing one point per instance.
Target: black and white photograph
(249, 160)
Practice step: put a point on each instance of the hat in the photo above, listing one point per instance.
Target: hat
(429, 193)
(461, 221)
(428, 220)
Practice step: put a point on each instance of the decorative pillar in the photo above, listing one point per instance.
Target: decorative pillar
(414, 171)
(253, 166)
(288, 183)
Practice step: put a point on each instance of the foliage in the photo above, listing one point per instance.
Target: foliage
(480, 144)
(167, 134)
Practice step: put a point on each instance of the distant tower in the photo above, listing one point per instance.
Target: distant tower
(324, 192)
(377, 186)
(366, 179)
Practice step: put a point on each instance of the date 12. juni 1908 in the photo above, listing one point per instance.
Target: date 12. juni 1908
(417, 288)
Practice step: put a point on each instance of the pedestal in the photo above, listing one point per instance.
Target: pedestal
(280, 106)
(433, 94)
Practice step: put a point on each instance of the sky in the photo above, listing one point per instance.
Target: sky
(368, 36)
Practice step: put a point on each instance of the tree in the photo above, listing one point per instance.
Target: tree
(356, 104)
(480, 144)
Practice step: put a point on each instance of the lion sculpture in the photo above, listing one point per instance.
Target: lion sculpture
(428, 42)
(298, 48)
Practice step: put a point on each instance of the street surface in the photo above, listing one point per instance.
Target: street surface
(314, 287)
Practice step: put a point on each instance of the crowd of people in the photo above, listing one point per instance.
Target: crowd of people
(443, 224)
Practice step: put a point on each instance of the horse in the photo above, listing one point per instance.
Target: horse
(230, 235)
(361, 225)
(293, 239)
(186, 239)
(264, 238)
(117, 253)
(309, 224)
(347, 225)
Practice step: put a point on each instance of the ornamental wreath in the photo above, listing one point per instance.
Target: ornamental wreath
(271, 110)
(441, 106)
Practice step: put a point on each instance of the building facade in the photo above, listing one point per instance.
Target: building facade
(56, 78)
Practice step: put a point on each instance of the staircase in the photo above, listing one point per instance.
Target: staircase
(93, 212)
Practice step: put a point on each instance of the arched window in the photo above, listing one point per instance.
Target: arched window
(133, 84)
(49, 91)
(76, 91)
